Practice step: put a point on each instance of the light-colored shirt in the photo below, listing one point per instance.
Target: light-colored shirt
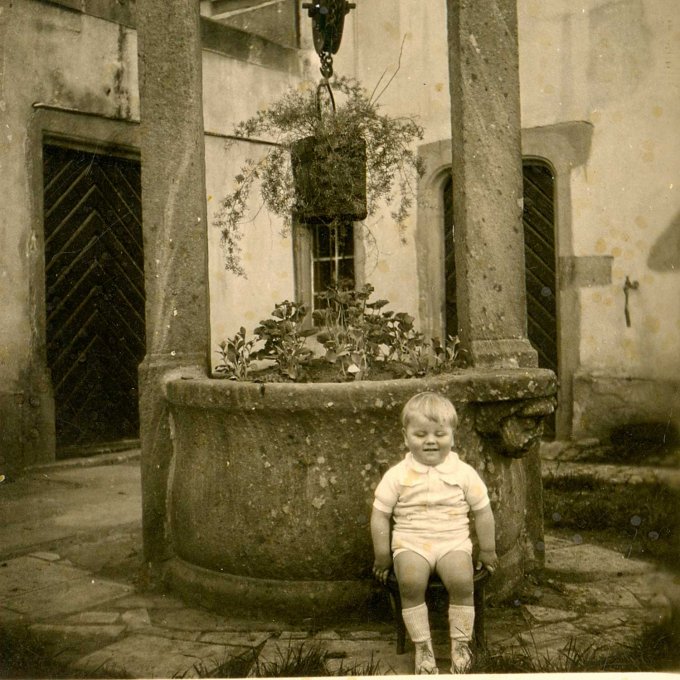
(427, 498)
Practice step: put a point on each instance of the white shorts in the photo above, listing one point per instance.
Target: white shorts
(431, 548)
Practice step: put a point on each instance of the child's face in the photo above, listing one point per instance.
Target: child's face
(429, 441)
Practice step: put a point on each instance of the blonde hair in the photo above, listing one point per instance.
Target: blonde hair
(433, 406)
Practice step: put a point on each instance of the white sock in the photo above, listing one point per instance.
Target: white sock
(417, 622)
(461, 622)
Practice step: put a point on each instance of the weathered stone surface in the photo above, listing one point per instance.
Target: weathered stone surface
(549, 614)
(592, 559)
(598, 621)
(550, 634)
(170, 658)
(66, 597)
(364, 635)
(175, 235)
(93, 618)
(78, 632)
(171, 633)
(333, 441)
(26, 574)
(293, 635)
(487, 197)
(600, 595)
(236, 639)
(326, 635)
(136, 618)
(150, 601)
(47, 556)
(189, 619)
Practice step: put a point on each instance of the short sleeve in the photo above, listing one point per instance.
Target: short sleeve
(387, 492)
(476, 494)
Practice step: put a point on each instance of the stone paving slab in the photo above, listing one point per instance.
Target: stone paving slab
(550, 635)
(104, 633)
(606, 595)
(150, 601)
(599, 621)
(66, 597)
(549, 614)
(188, 618)
(229, 638)
(93, 618)
(170, 633)
(26, 574)
(169, 658)
(589, 560)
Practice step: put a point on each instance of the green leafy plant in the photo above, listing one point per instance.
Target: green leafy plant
(386, 155)
(284, 339)
(352, 329)
(237, 355)
(358, 336)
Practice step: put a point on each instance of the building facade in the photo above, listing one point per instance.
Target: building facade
(599, 98)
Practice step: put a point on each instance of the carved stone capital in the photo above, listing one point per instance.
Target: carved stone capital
(518, 424)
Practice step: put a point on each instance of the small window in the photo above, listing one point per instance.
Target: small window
(332, 258)
(325, 255)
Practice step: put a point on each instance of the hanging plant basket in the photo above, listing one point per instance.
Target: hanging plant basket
(340, 164)
(330, 179)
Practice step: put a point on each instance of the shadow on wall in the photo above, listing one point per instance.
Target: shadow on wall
(664, 255)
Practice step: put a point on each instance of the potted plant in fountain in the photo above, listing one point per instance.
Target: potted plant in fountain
(329, 162)
(271, 483)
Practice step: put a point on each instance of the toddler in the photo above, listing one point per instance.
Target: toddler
(429, 495)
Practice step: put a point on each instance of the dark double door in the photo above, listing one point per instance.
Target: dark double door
(94, 279)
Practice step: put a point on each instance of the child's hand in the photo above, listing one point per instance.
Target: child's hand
(488, 559)
(381, 569)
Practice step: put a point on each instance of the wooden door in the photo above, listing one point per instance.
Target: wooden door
(539, 251)
(94, 276)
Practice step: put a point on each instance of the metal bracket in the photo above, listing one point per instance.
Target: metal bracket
(627, 287)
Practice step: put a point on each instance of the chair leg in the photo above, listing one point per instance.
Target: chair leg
(479, 631)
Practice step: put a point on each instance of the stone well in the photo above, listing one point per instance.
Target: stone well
(270, 486)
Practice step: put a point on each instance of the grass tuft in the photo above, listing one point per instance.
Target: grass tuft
(641, 518)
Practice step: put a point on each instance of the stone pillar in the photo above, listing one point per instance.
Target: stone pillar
(175, 239)
(487, 182)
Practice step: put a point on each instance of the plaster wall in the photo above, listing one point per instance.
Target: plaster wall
(266, 257)
(56, 58)
(612, 63)
(605, 63)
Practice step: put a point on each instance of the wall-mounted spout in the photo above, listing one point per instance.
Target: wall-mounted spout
(627, 287)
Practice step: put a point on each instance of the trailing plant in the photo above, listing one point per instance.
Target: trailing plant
(284, 339)
(391, 164)
(237, 355)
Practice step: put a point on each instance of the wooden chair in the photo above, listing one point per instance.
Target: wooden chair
(436, 588)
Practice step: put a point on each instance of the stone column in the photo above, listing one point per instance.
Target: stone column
(487, 182)
(175, 239)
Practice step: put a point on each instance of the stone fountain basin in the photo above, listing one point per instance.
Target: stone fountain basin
(271, 485)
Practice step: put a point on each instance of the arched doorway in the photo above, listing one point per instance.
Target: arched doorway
(540, 263)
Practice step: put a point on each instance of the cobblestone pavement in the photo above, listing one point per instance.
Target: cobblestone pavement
(70, 560)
